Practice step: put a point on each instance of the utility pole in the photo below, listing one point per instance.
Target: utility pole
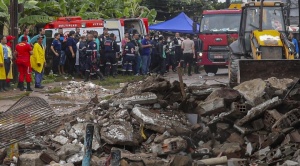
(13, 12)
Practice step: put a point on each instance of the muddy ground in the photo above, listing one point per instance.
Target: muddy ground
(64, 104)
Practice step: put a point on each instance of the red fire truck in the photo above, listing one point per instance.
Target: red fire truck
(218, 28)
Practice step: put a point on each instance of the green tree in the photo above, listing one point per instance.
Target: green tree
(134, 9)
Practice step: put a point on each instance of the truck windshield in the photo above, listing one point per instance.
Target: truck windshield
(272, 18)
(220, 23)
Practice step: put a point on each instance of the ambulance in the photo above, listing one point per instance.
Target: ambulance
(117, 26)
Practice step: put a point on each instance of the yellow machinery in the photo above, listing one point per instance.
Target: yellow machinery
(262, 49)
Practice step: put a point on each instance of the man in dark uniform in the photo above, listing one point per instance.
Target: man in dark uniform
(102, 39)
(77, 35)
(111, 49)
(91, 59)
(197, 44)
(129, 57)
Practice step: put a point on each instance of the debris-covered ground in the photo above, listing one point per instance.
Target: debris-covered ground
(149, 123)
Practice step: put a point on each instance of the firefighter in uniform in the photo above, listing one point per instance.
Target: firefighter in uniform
(129, 57)
(23, 52)
(102, 39)
(91, 59)
(111, 49)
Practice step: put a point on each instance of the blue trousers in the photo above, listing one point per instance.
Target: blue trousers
(38, 78)
(146, 59)
(127, 62)
(137, 67)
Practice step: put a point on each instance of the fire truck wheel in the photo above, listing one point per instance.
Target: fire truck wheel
(211, 69)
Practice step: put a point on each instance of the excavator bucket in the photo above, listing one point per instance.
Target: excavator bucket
(264, 69)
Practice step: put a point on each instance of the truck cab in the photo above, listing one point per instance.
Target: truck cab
(218, 29)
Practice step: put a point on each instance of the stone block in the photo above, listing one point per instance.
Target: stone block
(253, 91)
(68, 150)
(49, 155)
(237, 162)
(229, 95)
(211, 107)
(228, 149)
(31, 160)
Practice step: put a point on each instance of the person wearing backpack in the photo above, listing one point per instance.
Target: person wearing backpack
(111, 49)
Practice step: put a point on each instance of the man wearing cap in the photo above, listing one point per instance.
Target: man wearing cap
(23, 52)
(38, 61)
(25, 34)
(146, 54)
(35, 38)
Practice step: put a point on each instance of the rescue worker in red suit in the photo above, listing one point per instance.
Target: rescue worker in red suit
(23, 52)
(91, 59)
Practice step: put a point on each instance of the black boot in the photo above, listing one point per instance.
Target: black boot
(114, 70)
(86, 76)
(28, 87)
(21, 86)
(100, 76)
(3, 86)
(7, 85)
(107, 71)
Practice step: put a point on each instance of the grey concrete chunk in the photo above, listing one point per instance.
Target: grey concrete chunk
(253, 91)
(211, 107)
(30, 160)
(144, 98)
(119, 132)
(175, 124)
(68, 150)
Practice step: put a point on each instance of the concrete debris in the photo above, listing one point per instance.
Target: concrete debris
(175, 124)
(149, 123)
(253, 91)
(30, 159)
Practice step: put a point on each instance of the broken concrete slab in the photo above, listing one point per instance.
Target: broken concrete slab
(175, 124)
(237, 162)
(30, 159)
(211, 107)
(119, 132)
(76, 158)
(259, 110)
(179, 160)
(235, 137)
(231, 150)
(229, 95)
(253, 91)
(144, 98)
(280, 84)
(49, 155)
(68, 150)
(60, 139)
(79, 129)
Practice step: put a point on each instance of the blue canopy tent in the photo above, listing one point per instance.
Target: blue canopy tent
(181, 23)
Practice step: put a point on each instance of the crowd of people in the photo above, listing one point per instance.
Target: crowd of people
(29, 55)
(93, 56)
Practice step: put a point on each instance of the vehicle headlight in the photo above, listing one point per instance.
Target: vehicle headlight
(200, 54)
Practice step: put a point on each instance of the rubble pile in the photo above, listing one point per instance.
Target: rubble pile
(149, 123)
(82, 90)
